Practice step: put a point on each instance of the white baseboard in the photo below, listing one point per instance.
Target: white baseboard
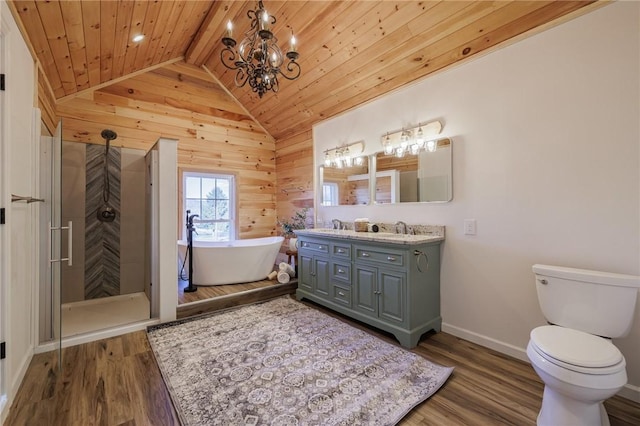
(487, 342)
(16, 381)
(4, 409)
(630, 392)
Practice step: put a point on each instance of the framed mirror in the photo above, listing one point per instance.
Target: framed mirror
(345, 186)
(422, 177)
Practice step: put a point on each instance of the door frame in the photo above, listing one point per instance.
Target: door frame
(4, 203)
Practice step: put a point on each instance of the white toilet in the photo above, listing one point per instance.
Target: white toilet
(574, 357)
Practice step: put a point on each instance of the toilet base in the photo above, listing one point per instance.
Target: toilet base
(558, 409)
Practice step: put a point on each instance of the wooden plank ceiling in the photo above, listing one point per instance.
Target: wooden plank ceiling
(350, 51)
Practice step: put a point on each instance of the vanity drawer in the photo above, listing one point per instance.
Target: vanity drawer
(313, 246)
(341, 272)
(341, 295)
(381, 256)
(341, 250)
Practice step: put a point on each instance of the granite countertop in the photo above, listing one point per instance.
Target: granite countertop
(381, 237)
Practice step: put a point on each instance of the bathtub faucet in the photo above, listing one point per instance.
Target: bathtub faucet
(190, 218)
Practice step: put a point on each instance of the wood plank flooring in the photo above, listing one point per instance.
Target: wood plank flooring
(117, 382)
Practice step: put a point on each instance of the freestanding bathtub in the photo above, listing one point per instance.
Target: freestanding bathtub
(231, 262)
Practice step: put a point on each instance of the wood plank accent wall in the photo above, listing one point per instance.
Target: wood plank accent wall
(294, 165)
(179, 101)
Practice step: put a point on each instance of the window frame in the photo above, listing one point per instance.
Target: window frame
(334, 190)
(233, 197)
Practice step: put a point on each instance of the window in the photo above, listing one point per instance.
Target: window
(329, 194)
(211, 197)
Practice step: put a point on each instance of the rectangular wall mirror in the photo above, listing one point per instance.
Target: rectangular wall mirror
(345, 186)
(423, 177)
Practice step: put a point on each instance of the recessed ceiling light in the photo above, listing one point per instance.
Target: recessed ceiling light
(138, 38)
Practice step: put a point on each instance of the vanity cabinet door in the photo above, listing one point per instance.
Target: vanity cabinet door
(392, 296)
(365, 290)
(322, 276)
(305, 280)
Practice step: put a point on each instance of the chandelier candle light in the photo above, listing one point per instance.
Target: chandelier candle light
(258, 58)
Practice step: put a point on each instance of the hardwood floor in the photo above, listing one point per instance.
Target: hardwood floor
(117, 382)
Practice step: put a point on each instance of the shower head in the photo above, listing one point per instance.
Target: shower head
(109, 135)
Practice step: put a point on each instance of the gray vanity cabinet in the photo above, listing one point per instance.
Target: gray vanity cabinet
(391, 286)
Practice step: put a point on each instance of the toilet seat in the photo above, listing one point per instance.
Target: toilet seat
(577, 351)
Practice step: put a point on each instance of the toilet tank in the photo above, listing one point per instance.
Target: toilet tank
(595, 302)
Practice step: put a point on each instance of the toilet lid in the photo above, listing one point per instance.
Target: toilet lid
(575, 347)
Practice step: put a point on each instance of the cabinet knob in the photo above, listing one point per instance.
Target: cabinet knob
(364, 254)
(340, 271)
(340, 293)
(319, 247)
(340, 251)
(377, 292)
(391, 258)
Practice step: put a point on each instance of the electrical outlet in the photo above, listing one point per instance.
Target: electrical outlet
(469, 227)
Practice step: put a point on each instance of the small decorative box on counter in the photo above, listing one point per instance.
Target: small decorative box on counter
(361, 225)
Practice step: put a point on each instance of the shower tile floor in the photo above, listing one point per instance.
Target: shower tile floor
(107, 312)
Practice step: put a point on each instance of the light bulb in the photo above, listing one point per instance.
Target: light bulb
(404, 140)
(327, 159)
(415, 149)
(358, 161)
(346, 157)
(399, 152)
(432, 145)
(420, 138)
(388, 148)
(229, 29)
(292, 45)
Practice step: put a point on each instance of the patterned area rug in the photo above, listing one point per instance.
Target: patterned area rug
(283, 363)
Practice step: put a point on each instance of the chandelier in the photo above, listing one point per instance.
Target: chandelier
(258, 59)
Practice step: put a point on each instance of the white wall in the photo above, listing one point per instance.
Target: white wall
(20, 257)
(546, 157)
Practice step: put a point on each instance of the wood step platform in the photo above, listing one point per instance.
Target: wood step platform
(246, 297)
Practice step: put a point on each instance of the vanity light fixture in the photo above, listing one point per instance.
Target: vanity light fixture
(412, 140)
(344, 156)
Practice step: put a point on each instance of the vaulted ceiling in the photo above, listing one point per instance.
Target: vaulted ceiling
(350, 51)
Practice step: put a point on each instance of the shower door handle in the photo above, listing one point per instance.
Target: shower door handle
(69, 258)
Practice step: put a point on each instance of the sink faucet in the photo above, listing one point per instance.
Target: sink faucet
(404, 226)
(337, 224)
